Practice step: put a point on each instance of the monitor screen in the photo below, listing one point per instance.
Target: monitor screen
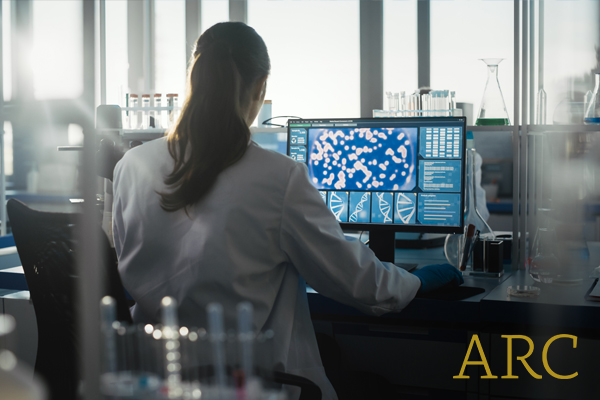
(399, 174)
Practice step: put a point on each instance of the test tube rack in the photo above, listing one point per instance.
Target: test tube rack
(417, 113)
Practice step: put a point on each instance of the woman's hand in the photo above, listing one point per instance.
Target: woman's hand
(436, 276)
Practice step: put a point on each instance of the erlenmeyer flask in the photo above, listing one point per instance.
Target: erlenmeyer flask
(492, 110)
(592, 108)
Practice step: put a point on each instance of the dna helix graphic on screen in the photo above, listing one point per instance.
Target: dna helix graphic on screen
(354, 217)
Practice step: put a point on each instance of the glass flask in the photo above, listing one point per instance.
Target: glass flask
(453, 244)
(492, 110)
(592, 108)
(545, 265)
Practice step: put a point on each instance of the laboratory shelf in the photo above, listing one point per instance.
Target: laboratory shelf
(495, 128)
(563, 128)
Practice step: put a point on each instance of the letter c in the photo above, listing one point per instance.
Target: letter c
(545, 356)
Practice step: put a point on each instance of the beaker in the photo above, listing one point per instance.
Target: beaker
(492, 110)
(545, 265)
(592, 108)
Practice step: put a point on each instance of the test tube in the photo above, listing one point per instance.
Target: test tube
(134, 123)
(414, 103)
(246, 336)
(172, 100)
(541, 107)
(452, 102)
(217, 336)
(426, 104)
(389, 96)
(173, 354)
(157, 114)
(396, 104)
(108, 314)
(145, 113)
(402, 104)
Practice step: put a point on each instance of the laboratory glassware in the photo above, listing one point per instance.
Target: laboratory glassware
(540, 112)
(493, 109)
(145, 113)
(545, 265)
(172, 103)
(592, 110)
(454, 243)
(156, 115)
(134, 122)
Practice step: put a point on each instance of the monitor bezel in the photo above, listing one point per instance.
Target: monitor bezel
(369, 226)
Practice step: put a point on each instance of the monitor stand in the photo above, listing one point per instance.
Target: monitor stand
(383, 244)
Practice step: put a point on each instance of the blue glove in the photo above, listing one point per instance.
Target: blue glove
(434, 277)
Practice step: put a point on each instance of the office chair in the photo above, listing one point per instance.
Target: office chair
(47, 245)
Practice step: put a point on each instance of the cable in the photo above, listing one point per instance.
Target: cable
(266, 121)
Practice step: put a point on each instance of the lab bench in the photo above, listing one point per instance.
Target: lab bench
(420, 349)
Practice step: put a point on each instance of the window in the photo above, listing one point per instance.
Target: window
(462, 33)
(117, 63)
(571, 52)
(212, 12)
(315, 56)
(57, 54)
(8, 148)
(6, 50)
(169, 41)
(400, 64)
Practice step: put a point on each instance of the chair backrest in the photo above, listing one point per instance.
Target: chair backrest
(47, 245)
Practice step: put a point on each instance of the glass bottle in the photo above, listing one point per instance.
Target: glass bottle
(493, 109)
(453, 244)
(592, 110)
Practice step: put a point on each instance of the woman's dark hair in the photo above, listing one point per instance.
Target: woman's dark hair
(211, 133)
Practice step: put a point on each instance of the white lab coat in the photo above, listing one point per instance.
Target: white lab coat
(258, 235)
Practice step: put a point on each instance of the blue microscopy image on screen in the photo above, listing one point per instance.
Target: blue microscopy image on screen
(360, 207)
(323, 196)
(440, 176)
(338, 204)
(405, 211)
(382, 205)
(363, 158)
(439, 209)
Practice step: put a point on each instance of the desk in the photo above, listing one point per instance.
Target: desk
(420, 349)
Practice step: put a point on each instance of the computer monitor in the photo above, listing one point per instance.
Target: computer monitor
(386, 175)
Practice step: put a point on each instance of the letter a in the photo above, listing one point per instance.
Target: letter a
(475, 339)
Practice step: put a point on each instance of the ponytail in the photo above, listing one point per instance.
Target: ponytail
(211, 133)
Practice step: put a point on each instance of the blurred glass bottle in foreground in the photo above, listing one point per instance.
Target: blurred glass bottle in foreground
(592, 107)
(492, 110)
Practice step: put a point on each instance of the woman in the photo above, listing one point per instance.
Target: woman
(207, 215)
